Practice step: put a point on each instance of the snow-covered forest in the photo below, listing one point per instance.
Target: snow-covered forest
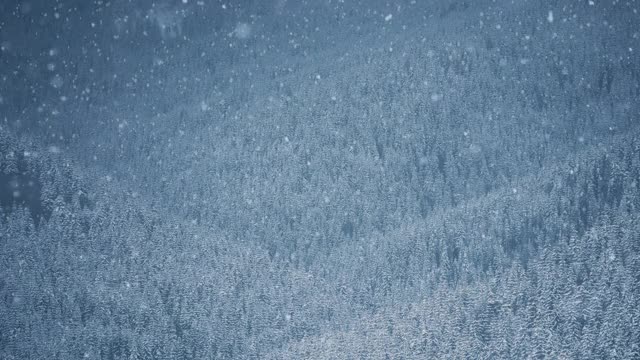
(319, 179)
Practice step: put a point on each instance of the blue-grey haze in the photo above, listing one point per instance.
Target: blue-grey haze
(319, 179)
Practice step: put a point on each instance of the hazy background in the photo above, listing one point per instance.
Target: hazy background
(319, 179)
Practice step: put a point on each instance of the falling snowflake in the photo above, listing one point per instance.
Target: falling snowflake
(242, 31)
(57, 81)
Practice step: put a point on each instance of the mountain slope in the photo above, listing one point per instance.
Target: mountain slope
(319, 179)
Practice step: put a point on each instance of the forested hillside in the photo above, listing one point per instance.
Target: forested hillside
(319, 179)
